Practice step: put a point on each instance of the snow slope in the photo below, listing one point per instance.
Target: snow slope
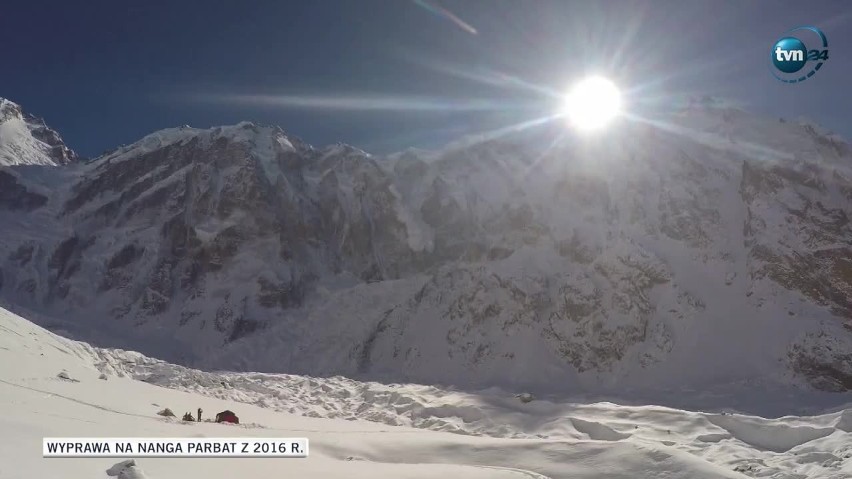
(26, 140)
(366, 430)
(701, 251)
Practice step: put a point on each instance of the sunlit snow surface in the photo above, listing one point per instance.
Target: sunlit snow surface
(712, 318)
(368, 430)
(19, 142)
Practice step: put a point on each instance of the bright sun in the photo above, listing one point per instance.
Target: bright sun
(592, 103)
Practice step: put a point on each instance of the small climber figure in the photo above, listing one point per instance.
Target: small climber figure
(199, 414)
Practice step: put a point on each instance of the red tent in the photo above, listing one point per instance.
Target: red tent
(227, 416)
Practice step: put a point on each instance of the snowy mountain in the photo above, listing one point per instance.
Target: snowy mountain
(53, 387)
(27, 140)
(709, 248)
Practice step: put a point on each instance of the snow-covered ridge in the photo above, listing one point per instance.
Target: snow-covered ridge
(240, 132)
(27, 140)
(689, 252)
(55, 387)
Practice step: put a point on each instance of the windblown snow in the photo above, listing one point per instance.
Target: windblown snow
(50, 386)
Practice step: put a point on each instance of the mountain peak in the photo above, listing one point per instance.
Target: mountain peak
(9, 109)
(515, 261)
(26, 139)
(260, 136)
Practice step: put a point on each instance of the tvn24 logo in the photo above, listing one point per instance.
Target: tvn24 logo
(790, 55)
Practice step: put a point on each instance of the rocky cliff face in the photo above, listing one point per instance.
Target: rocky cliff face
(27, 140)
(714, 247)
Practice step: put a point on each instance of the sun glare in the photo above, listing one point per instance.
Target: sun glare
(592, 103)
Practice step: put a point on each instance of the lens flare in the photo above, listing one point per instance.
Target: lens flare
(592, 104)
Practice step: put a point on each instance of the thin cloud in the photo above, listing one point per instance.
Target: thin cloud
(400, 103)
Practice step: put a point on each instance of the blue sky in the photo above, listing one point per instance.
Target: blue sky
(388, 74)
